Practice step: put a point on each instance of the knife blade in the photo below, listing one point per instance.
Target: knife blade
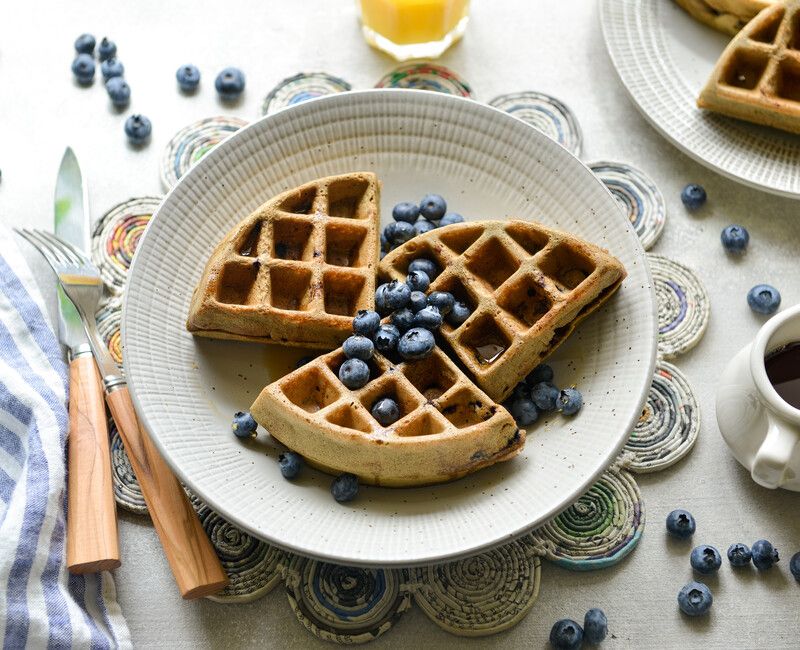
(92, 538)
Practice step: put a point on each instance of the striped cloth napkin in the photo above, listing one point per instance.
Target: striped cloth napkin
(41, 604)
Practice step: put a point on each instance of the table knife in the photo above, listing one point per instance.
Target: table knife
(92, 540)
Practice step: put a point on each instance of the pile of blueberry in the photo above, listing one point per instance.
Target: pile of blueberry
(407, 223)
(567, 634)
(537, 393)
(695, 598)
(762, 298)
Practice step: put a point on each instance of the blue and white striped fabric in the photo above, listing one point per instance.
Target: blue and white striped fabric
(41, 604)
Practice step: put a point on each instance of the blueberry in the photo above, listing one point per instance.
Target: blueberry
(450, 218)
(540, 373)
(794, 566)
(290, 464)
(403, 319)
(405, 211)
(739, 554)
(84, 44)
(416, 343)
(358, 347)
(428, 267)
(418, 281)
(421, 227)
(304, 360)
(243, 425)
(382, 254)
(458, 314)
(354, 374)
(138, 129)
(386, 411)
(400, 233)
(366, 322)
(695, 599)
(384, 242)
(735, 239)
(345, 487)
(570, 401)
(112, 68)
(595, 626)
(397, 295)
(442, 300)
(387, 235)
(229, 84)
(705, 559)
(764, 554)
(680, 523)
(432, 207)
(566, 634)
(693, 196)
(188, 77)
(380, 299)
(545, 396)
(386, 339)
(430, 318)
(764, 299)
(523, 410)
(106, 50)
(83, 69)
(119, 92)
(521, 391)
(417, 301)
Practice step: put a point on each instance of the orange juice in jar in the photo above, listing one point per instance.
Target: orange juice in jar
(410, 29)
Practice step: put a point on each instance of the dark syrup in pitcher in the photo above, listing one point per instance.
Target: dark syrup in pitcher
(783, 370)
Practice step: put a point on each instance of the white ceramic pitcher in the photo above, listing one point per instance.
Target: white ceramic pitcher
(762, 430)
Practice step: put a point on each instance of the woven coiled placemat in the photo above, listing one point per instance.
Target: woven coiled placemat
(300, 87)
(426, 76)
(108, 319)
(127, 492)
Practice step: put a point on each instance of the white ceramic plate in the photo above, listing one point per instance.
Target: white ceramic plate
(487, 164)
(664, 58)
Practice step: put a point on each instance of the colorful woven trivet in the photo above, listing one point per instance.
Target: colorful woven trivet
(127, 492)
(683, 306)
(108, 318)
(193, 142)
(300, 87)
(426, 76)
(546, 114)
(640, 199)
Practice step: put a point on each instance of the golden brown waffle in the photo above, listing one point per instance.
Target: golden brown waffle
(527, 286)
(727, 16)
(297, 269)
(448, 427)
(757, 78)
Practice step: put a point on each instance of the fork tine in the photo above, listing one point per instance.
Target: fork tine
(44, 251)
(66, 249)
(42, 241)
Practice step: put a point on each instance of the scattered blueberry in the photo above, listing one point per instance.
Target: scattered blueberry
(418, 281)
(138, 129)
(430, 318)
(735, 238)
(794, 566)
(428, 267)
(384, 242)
(416, 343)
(458, 314)
(521, 391)
(243, 425)
(681, 524)
(764, 299)
(386, 411)
(545, 396)
(354, 374)
(358, 347)
(397, 295)
(570, 401)
(366, 322)
(345, 487)
(705, 559)
(380, 299)
(566, 634)
(421, 227)
(112, 68)
(523, 410)
(83, 68)
(442, 300)
(595, 626)
(387, 235)
(304, 360)
(764, 554)
(399, 232)
(693, 196)
(290, 464)
(106, 50)
(405, 212)
(403, 319)
(695, 599)
(119, 92)
(450, 218)
(229, 84)
(739, 554)
(417, 301)
(540, 373)
(432, 207)
(84, 44)
(386, 339)
(188, 77)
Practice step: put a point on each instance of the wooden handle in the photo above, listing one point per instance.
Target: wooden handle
(92, 542)
(194, 563)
